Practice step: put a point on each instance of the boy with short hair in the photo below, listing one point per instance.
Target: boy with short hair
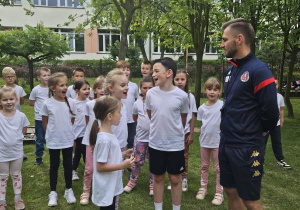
(9, 76)
(167, 107)
(146, 69)
(132, 95)
(78, 74)
(37, 97)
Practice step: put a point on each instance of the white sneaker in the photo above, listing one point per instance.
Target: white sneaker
(69, 196)
(74, 176)
(184, 185)
(218, 199)
(52, 199)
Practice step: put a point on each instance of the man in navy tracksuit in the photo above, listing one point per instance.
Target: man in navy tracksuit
(249, 112)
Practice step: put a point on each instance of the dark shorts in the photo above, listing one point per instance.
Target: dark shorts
(162, 161)
(241, 168)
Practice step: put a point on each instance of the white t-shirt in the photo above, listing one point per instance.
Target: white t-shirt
(59, 133)
(192, 110)
(132, 95)
(106, 185)
(11, 136)
(80, 123)
(71, 93)
(166, 129)
(20, 93)
(91, 114)
(280, 102)
(211, 120)
(143, 122)
(121, 131)
(39, 95)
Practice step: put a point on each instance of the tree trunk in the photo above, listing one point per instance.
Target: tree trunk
(198, 78)
(288, 103)
(281, 70)
(141, 44)
(123, 43)
(30, 67)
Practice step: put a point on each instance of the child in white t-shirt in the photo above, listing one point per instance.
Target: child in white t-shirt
(82, 88)
(142, 135)
(13, 126)
(210, 116)
(132, 95)
(9, 76)
(78, 74)
(167, 107)
(58, 115)
(89, 118)
(37, 97)
(181, 80)
(107, 178)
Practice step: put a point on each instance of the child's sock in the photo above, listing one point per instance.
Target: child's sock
(158, 206)
(176, 207)
(18, 196)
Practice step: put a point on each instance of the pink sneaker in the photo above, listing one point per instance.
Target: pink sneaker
(3, 205)
(19, 204)
(128, 188)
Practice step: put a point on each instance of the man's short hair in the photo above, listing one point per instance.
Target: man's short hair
(241, 26)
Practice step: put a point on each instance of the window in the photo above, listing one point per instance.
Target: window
(108, 37)
(170, 50)
(209, 47)
(57, 3)
(76, 41)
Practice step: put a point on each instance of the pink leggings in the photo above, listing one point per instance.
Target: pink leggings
(88, 171)
(14, 169)
(205, 159)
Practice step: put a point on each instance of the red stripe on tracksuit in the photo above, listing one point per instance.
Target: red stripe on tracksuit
(232, 63)
(263, 84)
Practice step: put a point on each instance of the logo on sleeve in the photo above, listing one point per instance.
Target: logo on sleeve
(245, 76)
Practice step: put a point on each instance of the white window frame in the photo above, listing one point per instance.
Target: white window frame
(58, 4)
(71, 41)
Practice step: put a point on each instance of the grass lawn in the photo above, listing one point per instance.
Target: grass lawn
(279, 186)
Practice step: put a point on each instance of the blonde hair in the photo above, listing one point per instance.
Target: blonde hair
(212, 82)
(110, 79)
(103, 106)
(8, 70)
(122, 64)
(5, 89)
(99, 82)
(52, 82)
(38, 71)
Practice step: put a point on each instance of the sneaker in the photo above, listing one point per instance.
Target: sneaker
(283, 164)
(69, 196)
(151, 190)
(3, 205)
(128, 188)
(201, 194)
(218, 199)
(19, 204)
(169, 186)
(75, 177)
(84, 198)
(184, 185)
(38, 161)
(52, 199)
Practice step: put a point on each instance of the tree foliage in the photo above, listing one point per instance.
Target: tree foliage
(33, 44)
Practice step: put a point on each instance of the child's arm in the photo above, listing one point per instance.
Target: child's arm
(21, 100)
(127, 153)
(281, 114)
(190, 138)
(104, 167)
(24, 130)
(183, 119)
(45, 122)
(135, 117)
(87, 118)
(31, 102)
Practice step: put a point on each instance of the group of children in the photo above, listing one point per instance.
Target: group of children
(155, 120)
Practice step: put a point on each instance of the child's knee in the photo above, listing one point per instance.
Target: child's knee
(3, 177)
(175, 179)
